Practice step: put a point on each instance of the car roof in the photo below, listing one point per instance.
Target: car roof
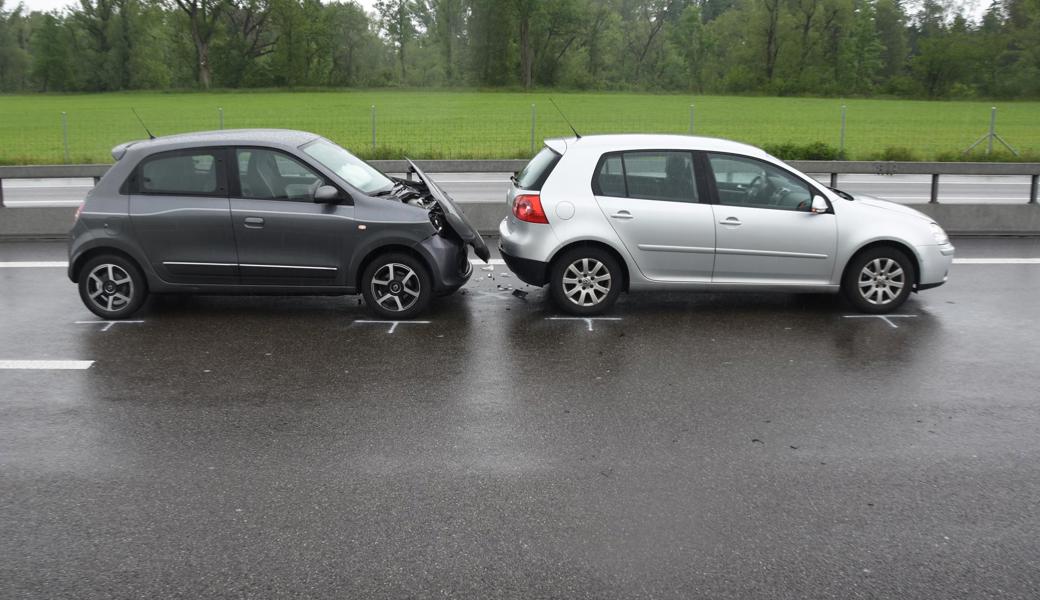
(652, 141)
(266, 137)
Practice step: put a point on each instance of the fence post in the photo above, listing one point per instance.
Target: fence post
(220, 114)
(841, 142)
(65, 135)
(373, 128)
(533, 120)
(992, 129)
(935, 189)
(691, 119)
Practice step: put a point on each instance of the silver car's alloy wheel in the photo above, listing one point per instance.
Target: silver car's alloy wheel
(109, 287)
(396, 287)
(881, 281)
(586, 282)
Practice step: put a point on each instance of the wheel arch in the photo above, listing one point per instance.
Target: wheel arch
(77, 264)
(392, 247)
(886, 243)
(625, 277)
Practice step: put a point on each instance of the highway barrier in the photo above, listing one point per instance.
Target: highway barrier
(959, 219)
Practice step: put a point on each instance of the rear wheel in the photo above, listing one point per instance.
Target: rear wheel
(585, 281)
(396, 286)
(112, 287)
(879, 280)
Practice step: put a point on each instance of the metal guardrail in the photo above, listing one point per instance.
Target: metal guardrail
(832, 167)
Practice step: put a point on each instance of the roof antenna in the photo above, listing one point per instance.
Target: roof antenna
(150, 136)
(576, 134)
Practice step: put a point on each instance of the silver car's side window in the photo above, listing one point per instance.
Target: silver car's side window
(650, 175)
(270, 175)
(744, 181)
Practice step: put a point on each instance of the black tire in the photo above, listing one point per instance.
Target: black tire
(399, 290)
(879, 280)
(576, 279)
(112, 286)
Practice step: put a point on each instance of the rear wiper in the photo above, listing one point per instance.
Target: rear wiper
(844, 195)
(515, 181)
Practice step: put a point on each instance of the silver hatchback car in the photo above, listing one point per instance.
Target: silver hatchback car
(597, 215)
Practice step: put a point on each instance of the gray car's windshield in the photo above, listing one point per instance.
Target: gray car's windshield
(352, 169)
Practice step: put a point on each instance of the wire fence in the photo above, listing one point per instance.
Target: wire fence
(83, 129)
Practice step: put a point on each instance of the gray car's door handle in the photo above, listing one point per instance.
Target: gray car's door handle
(622, 214)
(254, 222)
(731, 221)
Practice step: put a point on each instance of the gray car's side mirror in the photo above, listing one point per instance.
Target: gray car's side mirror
(326, 194)
(819, 205)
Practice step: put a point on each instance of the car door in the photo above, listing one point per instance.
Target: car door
(181, 216)
(283, 237)
(652, 199)
(765, 231)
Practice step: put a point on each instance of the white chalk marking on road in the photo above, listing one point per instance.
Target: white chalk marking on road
(588, 320)
(58, 365)
(884, 318)
(493, 261)
(107, 324)
(393, 324)
(996, 261)
(31, 264)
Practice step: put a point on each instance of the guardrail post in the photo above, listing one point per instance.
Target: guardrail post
(65, 135)
(2, 191)
(935, 189)
(834, 180)
(1032, 189)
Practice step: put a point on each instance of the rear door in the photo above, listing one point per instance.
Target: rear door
(765, 230)
(181, 216)
(656, 203)
(283, 237)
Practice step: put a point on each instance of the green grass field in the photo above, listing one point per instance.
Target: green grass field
(452, 124)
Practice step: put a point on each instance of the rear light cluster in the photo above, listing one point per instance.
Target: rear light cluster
(528, 207)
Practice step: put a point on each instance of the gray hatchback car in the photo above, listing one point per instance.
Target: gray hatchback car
(264, 212)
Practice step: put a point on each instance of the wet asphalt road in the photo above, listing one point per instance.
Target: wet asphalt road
(715, 446)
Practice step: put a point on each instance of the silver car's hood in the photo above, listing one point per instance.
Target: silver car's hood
(878, 203)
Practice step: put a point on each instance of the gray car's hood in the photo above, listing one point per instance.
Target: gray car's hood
(890, 206)
(456, 220)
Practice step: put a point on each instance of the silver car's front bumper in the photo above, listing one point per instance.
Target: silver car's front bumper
(935, 265)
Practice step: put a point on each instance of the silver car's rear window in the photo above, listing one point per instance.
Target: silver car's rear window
(537, 171)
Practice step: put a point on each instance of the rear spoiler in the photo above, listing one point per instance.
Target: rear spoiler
(119, 151)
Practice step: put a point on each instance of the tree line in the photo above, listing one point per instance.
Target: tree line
(776, 47)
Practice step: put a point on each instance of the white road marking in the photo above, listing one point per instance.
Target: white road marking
(107, 324)
(393, 324)
(76, 365)
(884, 318)
(588, 320)
(996, 261)
(31, 264)
(493, 261)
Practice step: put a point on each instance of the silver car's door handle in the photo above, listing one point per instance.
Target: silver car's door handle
(731, 221)
(622, 214)
(254, 222)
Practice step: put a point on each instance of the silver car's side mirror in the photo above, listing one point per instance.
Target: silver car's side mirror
(325, 194)
(819, 205)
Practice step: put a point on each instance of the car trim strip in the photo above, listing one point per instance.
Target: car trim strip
(290, 267)
(662, 248)
(773, 253)
(199, 264)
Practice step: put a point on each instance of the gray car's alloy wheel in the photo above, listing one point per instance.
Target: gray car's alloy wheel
(396, 286)
(111, 286)
(585, 281)
(879, 280)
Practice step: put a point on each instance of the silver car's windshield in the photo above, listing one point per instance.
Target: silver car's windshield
(352, 169)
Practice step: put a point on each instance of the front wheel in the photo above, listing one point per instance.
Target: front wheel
(396, 286)
(112, 287)
(879, 280)
(585, 281)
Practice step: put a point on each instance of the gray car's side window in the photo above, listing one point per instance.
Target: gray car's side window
(745, 181)
(271, 175)
(180, 173)
(648, 174)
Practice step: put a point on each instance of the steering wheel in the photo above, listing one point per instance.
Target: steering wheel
(755, 188)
